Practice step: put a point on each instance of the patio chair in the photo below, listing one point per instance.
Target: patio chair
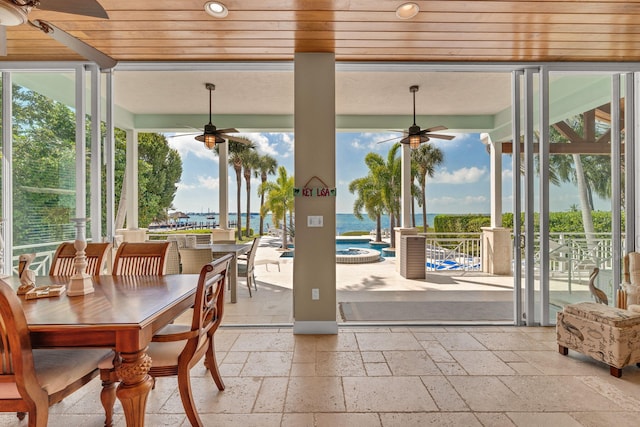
(141, 258)
(246, 264)
(31, 380)
(177, 348)
(172, 264)
(193, 259)
(63, 260)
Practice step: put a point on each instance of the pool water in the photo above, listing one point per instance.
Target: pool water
(345, 244)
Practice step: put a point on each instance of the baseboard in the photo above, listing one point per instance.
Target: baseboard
(315, 327)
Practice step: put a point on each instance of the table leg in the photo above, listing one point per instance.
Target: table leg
(134, 386)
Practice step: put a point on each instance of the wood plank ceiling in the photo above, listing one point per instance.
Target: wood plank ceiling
(356, 30)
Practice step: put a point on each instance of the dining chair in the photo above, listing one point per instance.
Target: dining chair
(246, 264)
(63, 259)
(141, 259)
(193, 259)
(172, 264)
(176, 348)
(31, 380)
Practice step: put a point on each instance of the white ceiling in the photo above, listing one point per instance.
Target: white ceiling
(271, 92)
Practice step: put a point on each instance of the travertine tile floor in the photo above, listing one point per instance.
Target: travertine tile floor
(387, 376)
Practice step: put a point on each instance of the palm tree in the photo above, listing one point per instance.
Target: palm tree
(249, 162)
(426, 158)
(387, 179)
(237, 153)
(279, 200)
(591, 174)
(368, 199)
(266, 166)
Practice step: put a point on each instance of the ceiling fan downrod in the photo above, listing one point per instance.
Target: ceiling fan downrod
(413, 89)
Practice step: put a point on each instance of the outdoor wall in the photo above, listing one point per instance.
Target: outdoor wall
(315, 251)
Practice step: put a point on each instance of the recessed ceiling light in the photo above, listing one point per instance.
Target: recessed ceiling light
(407, 10)
(216, 9)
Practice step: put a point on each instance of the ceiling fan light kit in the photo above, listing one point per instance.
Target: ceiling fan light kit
(12, 14)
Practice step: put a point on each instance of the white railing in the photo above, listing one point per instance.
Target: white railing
(573, 256)
(451, 251)
(41, 263)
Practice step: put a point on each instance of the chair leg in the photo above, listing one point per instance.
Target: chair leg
(253, 279)
(249, 284)
(211, 363)
(184, 386)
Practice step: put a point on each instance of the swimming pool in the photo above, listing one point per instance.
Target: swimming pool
(354, 250)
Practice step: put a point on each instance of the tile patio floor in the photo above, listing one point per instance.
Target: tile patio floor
(386, 376)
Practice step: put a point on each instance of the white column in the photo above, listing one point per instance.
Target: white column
(81, 148)
(314, 267)
(132, 179)
(223, 154)
(7, 175)
(405, 209)
(495, 151)
(96, 157)
(109, 157)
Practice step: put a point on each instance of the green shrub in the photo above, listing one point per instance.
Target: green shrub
(355, 233)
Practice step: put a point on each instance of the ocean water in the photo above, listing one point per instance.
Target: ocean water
(344, 221)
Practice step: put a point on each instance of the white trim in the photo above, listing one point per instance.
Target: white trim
(315, 327)
(7, 173)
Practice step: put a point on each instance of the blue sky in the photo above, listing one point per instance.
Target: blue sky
(460, 185)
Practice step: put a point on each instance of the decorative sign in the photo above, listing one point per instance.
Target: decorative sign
(308, 191)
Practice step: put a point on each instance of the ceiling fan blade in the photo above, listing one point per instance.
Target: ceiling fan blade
(439, 136)
(387, 140)
(435, 129)
(183, 134)
(77, 45)
(237, 139)
(228, 130)
(76, 7)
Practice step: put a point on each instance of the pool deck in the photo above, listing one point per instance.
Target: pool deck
(379, 281)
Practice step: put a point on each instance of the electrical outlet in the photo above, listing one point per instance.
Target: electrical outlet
(315, 294)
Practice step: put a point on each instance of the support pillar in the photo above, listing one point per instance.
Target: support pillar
(314, 265)
(496, 250)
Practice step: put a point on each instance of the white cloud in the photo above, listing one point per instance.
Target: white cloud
(470, 200)
(507, 174)
(376, 141)
(460, 176)
(208, 182)
(186, 144)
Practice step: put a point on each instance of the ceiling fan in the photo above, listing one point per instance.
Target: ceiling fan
(415, 136)
(212, 135)
(16, 12)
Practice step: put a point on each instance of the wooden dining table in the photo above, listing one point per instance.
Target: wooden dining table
(123, 313)
(221, 249)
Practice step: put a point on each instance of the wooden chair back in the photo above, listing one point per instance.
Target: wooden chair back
(63, 260)
(141, 259)
(22, 369)
(209, 304)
